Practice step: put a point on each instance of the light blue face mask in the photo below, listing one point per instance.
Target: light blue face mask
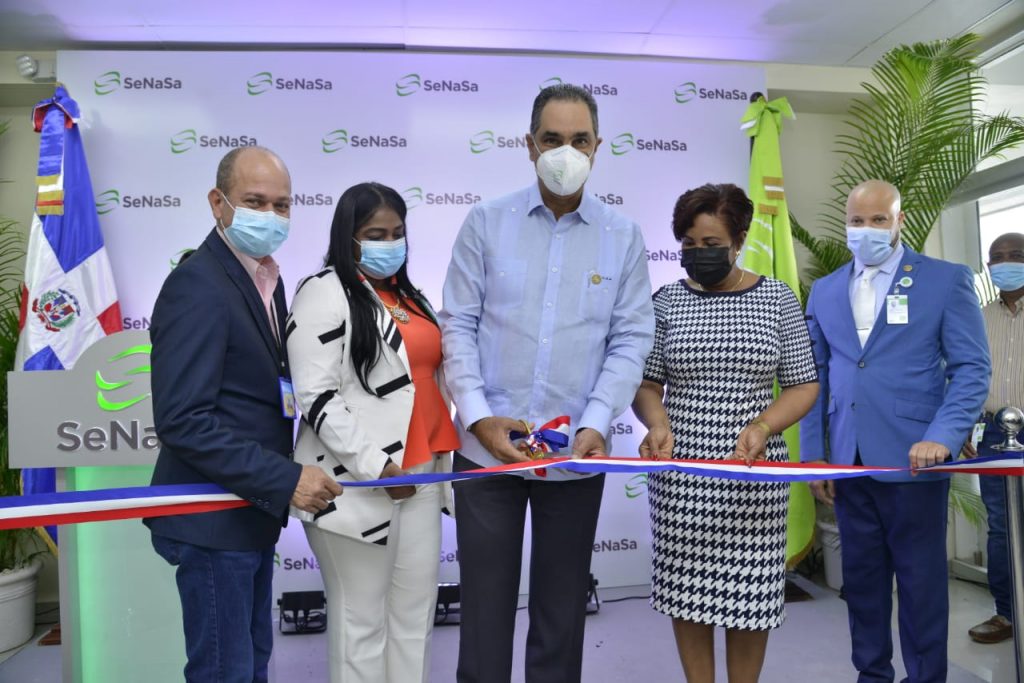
(871, 246)
(381, 260)
(256, 233)
(1008, 276)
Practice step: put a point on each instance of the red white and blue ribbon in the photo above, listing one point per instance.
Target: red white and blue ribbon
(550, 437)
(73, 507)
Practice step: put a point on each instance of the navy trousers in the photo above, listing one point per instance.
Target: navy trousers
(887, 529)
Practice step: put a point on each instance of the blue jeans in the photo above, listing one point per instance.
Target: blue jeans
(225, 607)
(993, 493)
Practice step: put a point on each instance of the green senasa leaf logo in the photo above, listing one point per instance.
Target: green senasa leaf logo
(259, 83)
(408, 84)
(184, 140)
(685, 92)
(622, 144)
(554, 80)
(413, 196)
(107, 83)
(481, 142)
(107, 201)
(176, 259)
(104, 387)
(636, 486)
(334, 141)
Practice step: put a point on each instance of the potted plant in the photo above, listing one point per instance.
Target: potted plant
(921, 129)
(19, 548)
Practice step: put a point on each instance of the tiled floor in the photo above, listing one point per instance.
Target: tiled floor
(626, 641)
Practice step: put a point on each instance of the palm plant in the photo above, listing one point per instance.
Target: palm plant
(920, 129)
(17, 546)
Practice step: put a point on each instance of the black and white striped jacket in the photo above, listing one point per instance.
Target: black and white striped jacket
(348, 432)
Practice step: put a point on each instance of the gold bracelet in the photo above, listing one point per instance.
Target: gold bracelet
(763, 425)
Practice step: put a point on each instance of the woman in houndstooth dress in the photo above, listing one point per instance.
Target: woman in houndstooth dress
(722, 340)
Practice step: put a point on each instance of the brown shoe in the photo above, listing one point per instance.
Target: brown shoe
(995, 630)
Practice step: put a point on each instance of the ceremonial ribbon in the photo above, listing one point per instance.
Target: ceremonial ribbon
(71, 507)
(550, 438)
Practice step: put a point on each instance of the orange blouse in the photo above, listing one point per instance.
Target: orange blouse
(430, 427)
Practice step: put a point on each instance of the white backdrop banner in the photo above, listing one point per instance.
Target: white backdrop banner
(446, 131)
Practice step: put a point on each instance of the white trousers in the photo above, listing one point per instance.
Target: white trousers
(381, 599)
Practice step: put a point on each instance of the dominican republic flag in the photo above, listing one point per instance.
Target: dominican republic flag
(68, 300)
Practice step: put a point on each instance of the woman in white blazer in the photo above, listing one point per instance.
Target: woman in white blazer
(365, 356)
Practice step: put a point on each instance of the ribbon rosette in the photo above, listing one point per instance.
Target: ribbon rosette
(551, 437)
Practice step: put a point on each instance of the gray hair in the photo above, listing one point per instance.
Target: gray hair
(563, 92)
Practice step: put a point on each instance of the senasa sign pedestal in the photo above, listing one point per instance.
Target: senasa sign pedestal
(120, 613)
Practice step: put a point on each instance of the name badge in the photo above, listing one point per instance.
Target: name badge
(977, 434)
(287, 399)
(896, 310)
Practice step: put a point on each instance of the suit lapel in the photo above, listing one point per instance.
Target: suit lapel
(243, 282)
(841, 293)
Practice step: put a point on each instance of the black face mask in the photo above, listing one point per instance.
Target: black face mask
(707, 265)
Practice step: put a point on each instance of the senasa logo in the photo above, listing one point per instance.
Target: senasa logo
(107, 83)
(107, 201)
(317, 199)
(594, 89)
(110, 81)
(111, 199)
(175, 261)
(339, 138)
(187, 139)
(722, 94)
(415, 196)
(636, 486)
(103, 386)
(408, 84)
(685, 92)
(259, 83)
(624, 143)
(413, 83)
(486, 139)
(665, 255)
(688, 91)
(264, 81)
(615, 545)
(613, 199)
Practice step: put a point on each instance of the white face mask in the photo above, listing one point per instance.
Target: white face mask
(563, 170)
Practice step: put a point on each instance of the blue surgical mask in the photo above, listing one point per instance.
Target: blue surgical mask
(256, 233)
(871, 246)
(1008, 276)
(382, 259)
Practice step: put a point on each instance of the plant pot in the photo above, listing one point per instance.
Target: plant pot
(18, 605)
(832, 554)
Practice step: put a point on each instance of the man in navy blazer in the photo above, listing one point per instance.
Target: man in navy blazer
(220, 393)
(904, 369)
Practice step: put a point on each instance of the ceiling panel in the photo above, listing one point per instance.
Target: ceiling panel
(544, 16)
(822, 32)
(942, 18)
(238, 15)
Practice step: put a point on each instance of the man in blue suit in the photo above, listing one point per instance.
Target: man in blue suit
(904, 370)
(224, 414)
